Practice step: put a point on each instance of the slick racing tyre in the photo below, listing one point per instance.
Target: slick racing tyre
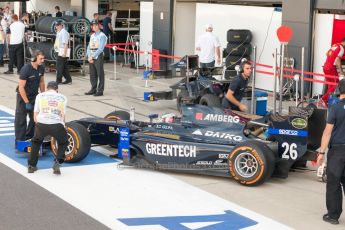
(210, 100)
(118, 115)
(79, 143)
(239, 36)
(251, 163)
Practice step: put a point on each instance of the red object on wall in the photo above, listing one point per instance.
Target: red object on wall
(155, 60)
(338, 32)
(284, 34)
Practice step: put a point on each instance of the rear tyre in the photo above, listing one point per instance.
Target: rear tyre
(118, 115)
(251, 163)
(210, 100)
(79, 143)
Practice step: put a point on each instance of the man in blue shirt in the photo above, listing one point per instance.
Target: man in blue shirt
(234, 95)
(61, 48)
(98, 40)
(108, 31)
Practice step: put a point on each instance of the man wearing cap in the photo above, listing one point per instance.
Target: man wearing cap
(61, 48)
(31, 79)
(98, 40)
(49, 115)
(208, 46)
(333, 137)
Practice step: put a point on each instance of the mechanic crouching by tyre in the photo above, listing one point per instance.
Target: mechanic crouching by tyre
(234, 95)
(49, 115)
(31, 78)
(98, 40)
(334, 138)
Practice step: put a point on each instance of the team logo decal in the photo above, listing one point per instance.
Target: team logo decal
(217, 118)
(299, 123)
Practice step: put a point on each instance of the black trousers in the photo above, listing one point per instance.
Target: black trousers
(335, 177)
(16, 53)
(23, 131)
(97, 74)
(62, 69)
(42, 130)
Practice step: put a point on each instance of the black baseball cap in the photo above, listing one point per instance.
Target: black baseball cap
(52, 85)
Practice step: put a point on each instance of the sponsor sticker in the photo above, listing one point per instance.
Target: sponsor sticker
(171, 150)
(299, 123)
(217, 118)
(288, 132)
(217, 135)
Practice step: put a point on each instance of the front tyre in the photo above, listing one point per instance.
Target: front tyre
(251, 163)
(79, 143)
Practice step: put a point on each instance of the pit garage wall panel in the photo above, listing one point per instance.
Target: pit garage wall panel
(184, 40)
(163, 11)
(322, 42)
(146, 23)
(298, 15)
(330, 4)
(44, 6)
(261, 21)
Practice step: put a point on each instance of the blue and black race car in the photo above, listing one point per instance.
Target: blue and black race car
(207, 140)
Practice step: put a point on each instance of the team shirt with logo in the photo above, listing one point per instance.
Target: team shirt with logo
(51, 107)
(337, 50)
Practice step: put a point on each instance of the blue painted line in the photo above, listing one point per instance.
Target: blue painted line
(227, 221)
(46, 161)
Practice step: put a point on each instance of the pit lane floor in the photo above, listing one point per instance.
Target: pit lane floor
(298, 202)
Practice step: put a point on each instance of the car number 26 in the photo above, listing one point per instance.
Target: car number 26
(290, 151)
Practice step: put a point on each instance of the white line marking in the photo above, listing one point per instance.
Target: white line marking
(6, 129)
(6, 134)
(7, 125)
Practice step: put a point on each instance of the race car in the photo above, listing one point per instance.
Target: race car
(207, 140)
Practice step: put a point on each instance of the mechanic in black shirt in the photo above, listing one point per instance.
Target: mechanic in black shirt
(31, 78)
(233, 97)
(58, 13)
(333, 137)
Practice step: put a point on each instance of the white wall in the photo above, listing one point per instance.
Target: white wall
(91, 7)
(146, 28)
(184, 36)
(256, 19)
(322, 42)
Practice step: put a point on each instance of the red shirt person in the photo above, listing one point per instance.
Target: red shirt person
(333, 62)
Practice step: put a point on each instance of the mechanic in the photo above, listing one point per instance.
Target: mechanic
(208, 45)
(98, 40)
(49, 115)
(234, 95)
(16, 45)
(61, 49)
(333, 137)
(58, 13)
(333, 61)
(31, 78)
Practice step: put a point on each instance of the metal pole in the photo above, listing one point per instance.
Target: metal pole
(137, 56)
(302, 77)
(275, 82)
(296, 78)
(253, 81)
(115, 77)
(281, 79)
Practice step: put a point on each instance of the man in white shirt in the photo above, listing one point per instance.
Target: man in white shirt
(49, 116)
(208, 46)
(61, 48)
(16, 47)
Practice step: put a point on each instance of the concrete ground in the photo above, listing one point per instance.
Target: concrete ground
(298, 202)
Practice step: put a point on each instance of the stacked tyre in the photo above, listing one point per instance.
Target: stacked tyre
(238, 47)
